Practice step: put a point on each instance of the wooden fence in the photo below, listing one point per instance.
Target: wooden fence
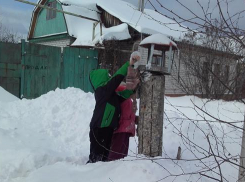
(29, 70)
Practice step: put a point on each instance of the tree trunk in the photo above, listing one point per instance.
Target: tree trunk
(150, 127)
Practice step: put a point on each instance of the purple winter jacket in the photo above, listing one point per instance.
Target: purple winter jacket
(127, 119)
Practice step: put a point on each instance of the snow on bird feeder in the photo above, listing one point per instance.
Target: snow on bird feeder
(160, 54)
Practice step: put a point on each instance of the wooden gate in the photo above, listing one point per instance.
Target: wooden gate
(77, 63)
(10, 67)
(45, 68)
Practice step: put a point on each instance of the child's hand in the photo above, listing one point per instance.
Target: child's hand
(135, 56)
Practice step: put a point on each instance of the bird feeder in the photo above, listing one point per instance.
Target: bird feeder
(151, 91)
(160, 54)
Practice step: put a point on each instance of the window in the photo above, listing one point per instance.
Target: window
(226, 73)
(238, 78)
(217, 70)
(217, 87)
(51, 14)
(205, 72)
(157, 60)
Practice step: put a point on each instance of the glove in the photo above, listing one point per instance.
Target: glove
(135, 56)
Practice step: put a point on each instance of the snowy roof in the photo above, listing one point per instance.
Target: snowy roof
(81, 29)
(149, 22)
(119, 32)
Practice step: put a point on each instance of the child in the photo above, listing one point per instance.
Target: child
(107, 108)
(120, 138)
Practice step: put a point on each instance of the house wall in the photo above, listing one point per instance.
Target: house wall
(48, 27)
(182, 81)
(109, 20)
(172, 84)
(144, 55)
(57, 43)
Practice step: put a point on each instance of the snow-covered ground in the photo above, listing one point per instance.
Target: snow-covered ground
(6, 97)
(46, 140)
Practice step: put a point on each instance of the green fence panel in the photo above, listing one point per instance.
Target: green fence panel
(77, 64)
(10, 70)
(92, 63)
(12, 85)
(78, 71)
(10, 67)
(70, 57)
(41, 71)
(10, 53)
(84, 57)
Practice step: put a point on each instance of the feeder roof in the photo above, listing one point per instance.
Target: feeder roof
(159, 40)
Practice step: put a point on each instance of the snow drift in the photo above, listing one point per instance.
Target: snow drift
(6, 96)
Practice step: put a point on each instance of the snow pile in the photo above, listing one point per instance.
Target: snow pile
(46, 139)
(6, 96)
(44, 131)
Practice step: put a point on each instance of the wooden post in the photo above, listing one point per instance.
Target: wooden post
(23, 43)
(150, 125)
(241, 177)
(94, 26)
(141, 5)
(101, 28)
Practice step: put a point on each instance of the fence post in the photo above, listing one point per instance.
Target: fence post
(22, 67)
